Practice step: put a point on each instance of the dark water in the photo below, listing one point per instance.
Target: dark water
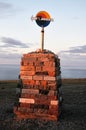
(73, 73)
(11, 72)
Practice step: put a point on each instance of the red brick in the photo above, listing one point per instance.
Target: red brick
(53, 112)
(26, 77)
(42, 101)
(25, 105)
(52, 85)
(54, 102)
(49, 64)
(27, 73)
(54, 107)
(51, 73)
(39, 63)
(37, 82)
(37, 77)
(44, 84)
(47, 68)
(38, 68)
(28, 82)
(27, 68)
(29, 59)
(26, 100)
(26, 95)
(49, 78)
(52, 93)
(30, 91)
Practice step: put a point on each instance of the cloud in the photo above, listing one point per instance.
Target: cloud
(10, 55)
(5, 9)
(10, 42)
(76, 50)
(8, 9)
(7, 53)
(7, 57)
(76, 18)
(11, 50)
(4, 6)
(75, 57)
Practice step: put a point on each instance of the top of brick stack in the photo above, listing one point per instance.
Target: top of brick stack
(39, 52)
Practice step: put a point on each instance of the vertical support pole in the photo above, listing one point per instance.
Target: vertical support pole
(42, 39)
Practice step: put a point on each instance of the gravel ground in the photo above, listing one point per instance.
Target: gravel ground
(73, 115)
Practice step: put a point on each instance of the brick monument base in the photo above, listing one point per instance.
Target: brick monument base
(39, 88)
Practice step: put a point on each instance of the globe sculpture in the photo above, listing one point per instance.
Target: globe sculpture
(42, 19)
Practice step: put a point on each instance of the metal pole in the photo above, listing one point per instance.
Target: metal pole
(42, 39)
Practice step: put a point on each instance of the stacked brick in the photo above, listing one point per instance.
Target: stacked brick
(40, 78)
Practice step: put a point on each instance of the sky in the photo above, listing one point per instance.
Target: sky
(65, 36)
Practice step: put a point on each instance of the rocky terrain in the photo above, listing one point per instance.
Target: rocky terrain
(73, 115)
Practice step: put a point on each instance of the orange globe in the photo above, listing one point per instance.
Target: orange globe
(42, 23)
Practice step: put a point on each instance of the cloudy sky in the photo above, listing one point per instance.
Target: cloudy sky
(65, 36)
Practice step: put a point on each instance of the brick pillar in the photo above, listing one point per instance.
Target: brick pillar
(39, 96)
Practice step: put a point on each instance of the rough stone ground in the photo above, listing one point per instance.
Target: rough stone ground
(73, 115)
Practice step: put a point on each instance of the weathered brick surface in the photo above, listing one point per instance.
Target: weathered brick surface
(41, 78)
(26, 77)
(26, 100)
(27, 68)
(27, 73)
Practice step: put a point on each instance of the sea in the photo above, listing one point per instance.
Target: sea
(11, 72)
